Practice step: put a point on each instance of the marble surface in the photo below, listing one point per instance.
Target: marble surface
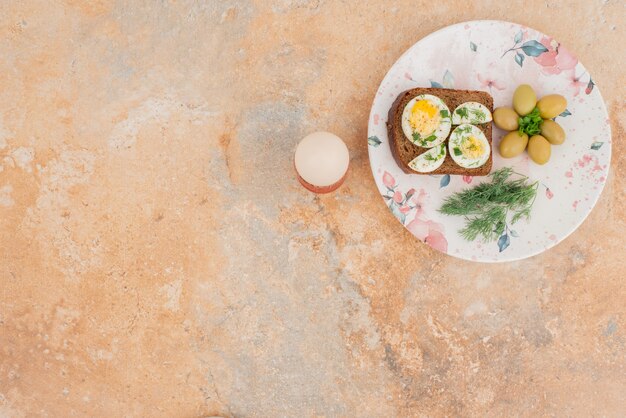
(158, 257)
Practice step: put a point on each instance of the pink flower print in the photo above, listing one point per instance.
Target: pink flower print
(489, 82)
(430, 232)
(388, 180)
(418, 201)
(437, 241)
(397, 197)
(585, 160)
(418, 198)
(556, 59)
(410, 193)
(419, 228)
(405, 209)
(468, 179)
(548, 58)
(575, 84)
(435, 227)
(549, 193)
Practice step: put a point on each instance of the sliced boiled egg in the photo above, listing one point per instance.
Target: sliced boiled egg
(426, 120)
(469, 147)
(430, 160)
(471, 112)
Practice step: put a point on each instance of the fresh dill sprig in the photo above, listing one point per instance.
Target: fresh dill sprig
(487, 206)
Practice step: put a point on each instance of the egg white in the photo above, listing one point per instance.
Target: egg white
(439, 134)
(471, 112)
(430, 160)
(456, 138)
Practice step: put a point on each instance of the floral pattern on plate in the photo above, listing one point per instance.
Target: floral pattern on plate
(410, 205)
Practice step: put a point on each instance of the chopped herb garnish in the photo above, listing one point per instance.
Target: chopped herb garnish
(464, 130)
(417, 137)
(486, 207)
(531, 123)
(462, 112)
(430, 138)
(479, 114)
(430, 157)
(457, 151)
(444, 113)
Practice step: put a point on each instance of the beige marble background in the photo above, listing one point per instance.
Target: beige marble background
(159, 259)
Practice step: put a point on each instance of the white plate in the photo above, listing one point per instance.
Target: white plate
(497, 56)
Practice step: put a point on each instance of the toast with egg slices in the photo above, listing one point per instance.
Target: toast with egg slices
(405, 151)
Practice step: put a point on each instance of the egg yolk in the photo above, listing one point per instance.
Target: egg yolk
(472, 147)
(425, 117)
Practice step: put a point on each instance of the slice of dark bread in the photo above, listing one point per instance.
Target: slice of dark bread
(404, 151)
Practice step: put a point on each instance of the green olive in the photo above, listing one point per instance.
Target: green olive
(539, 149)
(551, 106)
(524, 99)
(513, 144)
(506, 118)
(553, 132)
